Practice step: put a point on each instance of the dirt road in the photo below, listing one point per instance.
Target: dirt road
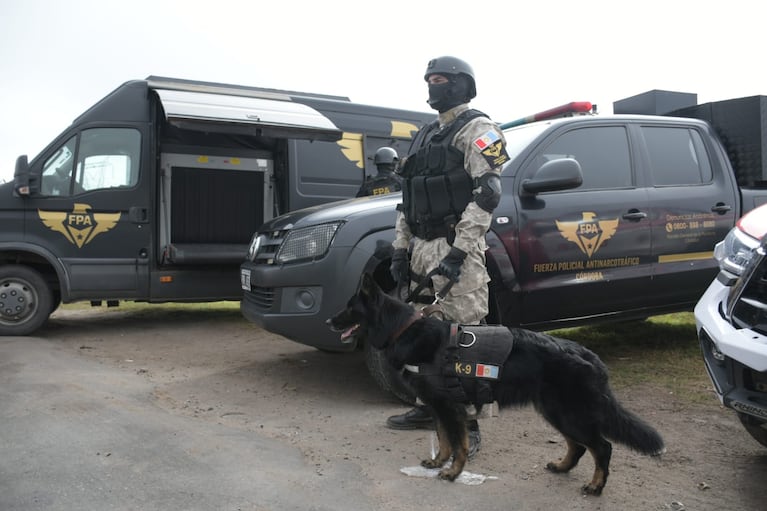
(153, 409)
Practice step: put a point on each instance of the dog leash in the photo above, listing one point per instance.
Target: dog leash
(438, 296)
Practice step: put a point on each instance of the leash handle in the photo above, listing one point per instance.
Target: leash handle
(439, 296)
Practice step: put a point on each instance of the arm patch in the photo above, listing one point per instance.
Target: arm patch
(491, 147)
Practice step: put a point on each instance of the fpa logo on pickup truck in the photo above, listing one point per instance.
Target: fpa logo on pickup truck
(81, 225)
(589, 233)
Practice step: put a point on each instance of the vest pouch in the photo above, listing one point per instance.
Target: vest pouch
(461, 186)
(419, 198)
(436, 159)
(439, 197)
(421, 161)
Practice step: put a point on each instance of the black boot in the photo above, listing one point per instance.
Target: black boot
(418, 417)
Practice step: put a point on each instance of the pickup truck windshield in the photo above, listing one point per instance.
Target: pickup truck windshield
(518, 138)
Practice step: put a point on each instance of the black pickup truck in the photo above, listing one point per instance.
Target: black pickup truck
(602, 218)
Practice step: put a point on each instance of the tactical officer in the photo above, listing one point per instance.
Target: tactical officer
(451, 185)
(385, 181)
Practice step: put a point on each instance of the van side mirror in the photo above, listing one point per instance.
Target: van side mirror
(555, 175)
(21, 186)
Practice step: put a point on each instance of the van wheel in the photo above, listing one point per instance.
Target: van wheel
(385, 375)
(25, 300)
(757, 428)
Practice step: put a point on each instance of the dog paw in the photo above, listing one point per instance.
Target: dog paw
(447, 475)
(591, 489)
(430, 464)
(557, 468)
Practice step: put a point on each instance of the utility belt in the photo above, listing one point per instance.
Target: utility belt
(429, 229)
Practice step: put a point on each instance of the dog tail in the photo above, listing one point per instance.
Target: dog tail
(628, 429)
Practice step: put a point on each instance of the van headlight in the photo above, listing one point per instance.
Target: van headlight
(735, 251)
(306, 243)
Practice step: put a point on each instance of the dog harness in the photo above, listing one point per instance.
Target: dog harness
(465, 367)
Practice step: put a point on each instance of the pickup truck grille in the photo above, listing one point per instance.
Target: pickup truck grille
(261, 298)
(748, 297)
(270, 244)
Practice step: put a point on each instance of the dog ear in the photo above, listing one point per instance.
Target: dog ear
(369, 287)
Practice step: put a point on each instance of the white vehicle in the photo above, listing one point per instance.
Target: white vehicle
(731, 318)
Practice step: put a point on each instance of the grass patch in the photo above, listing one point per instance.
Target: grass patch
(127, 305)
(212, 311)
(661, 351)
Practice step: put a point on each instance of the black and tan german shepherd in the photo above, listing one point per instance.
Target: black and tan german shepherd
(565, 382)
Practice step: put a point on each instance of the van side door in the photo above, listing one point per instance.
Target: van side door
(586, 250)
(92, 211)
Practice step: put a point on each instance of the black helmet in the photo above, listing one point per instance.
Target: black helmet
(452, 66)
(385, 155)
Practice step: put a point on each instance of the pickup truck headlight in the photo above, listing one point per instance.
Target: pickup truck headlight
(735, 251)
(306, 243)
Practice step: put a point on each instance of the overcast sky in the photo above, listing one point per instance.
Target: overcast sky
(59, 57)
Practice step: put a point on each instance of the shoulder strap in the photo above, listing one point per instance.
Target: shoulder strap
(456, 126)
(423, 136)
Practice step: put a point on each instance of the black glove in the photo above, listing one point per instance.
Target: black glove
(450, 266)
(400, 266)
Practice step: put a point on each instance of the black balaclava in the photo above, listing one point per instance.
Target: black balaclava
(454, 92)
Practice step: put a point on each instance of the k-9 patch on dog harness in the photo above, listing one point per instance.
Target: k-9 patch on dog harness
(465, 367)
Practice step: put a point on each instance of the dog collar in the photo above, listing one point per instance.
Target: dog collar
(415, 317)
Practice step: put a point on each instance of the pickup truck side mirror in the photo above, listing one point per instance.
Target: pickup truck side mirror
(554, 175)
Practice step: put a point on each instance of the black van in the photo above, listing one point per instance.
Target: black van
(154, 192)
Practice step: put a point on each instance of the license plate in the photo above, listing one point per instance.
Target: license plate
(245, 279)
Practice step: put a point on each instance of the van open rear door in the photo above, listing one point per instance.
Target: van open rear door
(213, 202)
(274, 115)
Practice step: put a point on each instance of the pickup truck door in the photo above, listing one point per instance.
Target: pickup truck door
(587, 250)
(92, 212)
(693, 205)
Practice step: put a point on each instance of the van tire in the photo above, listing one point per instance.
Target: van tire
(385, 375)
(26, 300)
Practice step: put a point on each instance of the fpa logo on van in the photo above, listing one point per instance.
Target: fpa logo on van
(352, 143)
(80, 225)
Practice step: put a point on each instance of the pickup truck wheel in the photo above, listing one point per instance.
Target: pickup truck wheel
(757, 428)
(385, 376)
(25, 300)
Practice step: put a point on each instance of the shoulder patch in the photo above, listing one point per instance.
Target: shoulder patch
(485, 140)
(491, 147)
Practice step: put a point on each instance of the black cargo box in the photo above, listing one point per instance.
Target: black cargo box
(742, 127)
(655, 102)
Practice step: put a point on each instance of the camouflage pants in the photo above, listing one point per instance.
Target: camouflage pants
(467, 301)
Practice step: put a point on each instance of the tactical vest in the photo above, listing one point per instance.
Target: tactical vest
(466, 366)
(436, 187)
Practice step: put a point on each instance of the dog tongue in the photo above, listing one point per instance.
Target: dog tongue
(348, 332)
